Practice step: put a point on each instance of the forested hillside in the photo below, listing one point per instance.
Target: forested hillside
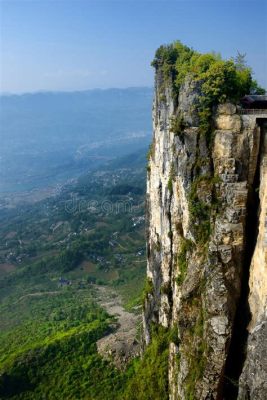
(52, 255)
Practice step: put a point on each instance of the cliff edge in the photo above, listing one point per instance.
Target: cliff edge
(207, 227)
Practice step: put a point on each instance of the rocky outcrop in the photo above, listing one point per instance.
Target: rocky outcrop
(202, 243)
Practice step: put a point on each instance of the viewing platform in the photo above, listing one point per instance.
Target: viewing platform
(253, 111)
(254, 105)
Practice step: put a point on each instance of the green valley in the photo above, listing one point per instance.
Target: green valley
(53, 253)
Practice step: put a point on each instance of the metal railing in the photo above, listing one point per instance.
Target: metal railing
(253, 111)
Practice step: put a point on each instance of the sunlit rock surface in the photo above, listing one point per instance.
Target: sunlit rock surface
(200, 275)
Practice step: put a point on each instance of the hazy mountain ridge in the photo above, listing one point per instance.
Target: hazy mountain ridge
(50, 137)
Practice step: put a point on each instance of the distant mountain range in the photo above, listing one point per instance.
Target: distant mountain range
(47, 138)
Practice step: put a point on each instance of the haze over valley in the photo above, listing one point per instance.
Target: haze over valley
(48, 138)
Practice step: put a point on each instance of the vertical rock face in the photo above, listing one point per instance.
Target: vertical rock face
(253, 381)
(200, 195)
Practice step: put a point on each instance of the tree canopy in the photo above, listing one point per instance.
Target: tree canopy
(221, 80)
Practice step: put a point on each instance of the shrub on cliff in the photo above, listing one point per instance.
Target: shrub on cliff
(221, 80)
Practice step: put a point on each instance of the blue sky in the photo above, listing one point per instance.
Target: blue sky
(77, 45)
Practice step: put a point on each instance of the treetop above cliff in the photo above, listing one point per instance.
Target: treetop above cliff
(221, 80)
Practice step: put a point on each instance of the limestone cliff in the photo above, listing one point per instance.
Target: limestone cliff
(206, 243)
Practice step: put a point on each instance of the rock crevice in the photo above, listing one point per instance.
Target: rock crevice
(206, 255)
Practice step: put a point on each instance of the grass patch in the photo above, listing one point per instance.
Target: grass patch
(182, 259)
(177, 126)
(148, 289)
(149, 375)
(198, 358)
(201, 210)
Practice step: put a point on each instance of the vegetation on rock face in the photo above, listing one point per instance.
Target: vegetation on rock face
(177, 126)
(151, 151)
(219, 80)
(148, 289)
(182, 259)
(211, 81)
(197, 360)
(149, 378)
(200, 210)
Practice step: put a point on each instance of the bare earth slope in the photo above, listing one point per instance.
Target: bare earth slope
(122, 344)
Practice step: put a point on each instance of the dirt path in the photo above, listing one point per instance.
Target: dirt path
(121, 345)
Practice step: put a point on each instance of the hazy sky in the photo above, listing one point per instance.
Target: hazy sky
(68, 45)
